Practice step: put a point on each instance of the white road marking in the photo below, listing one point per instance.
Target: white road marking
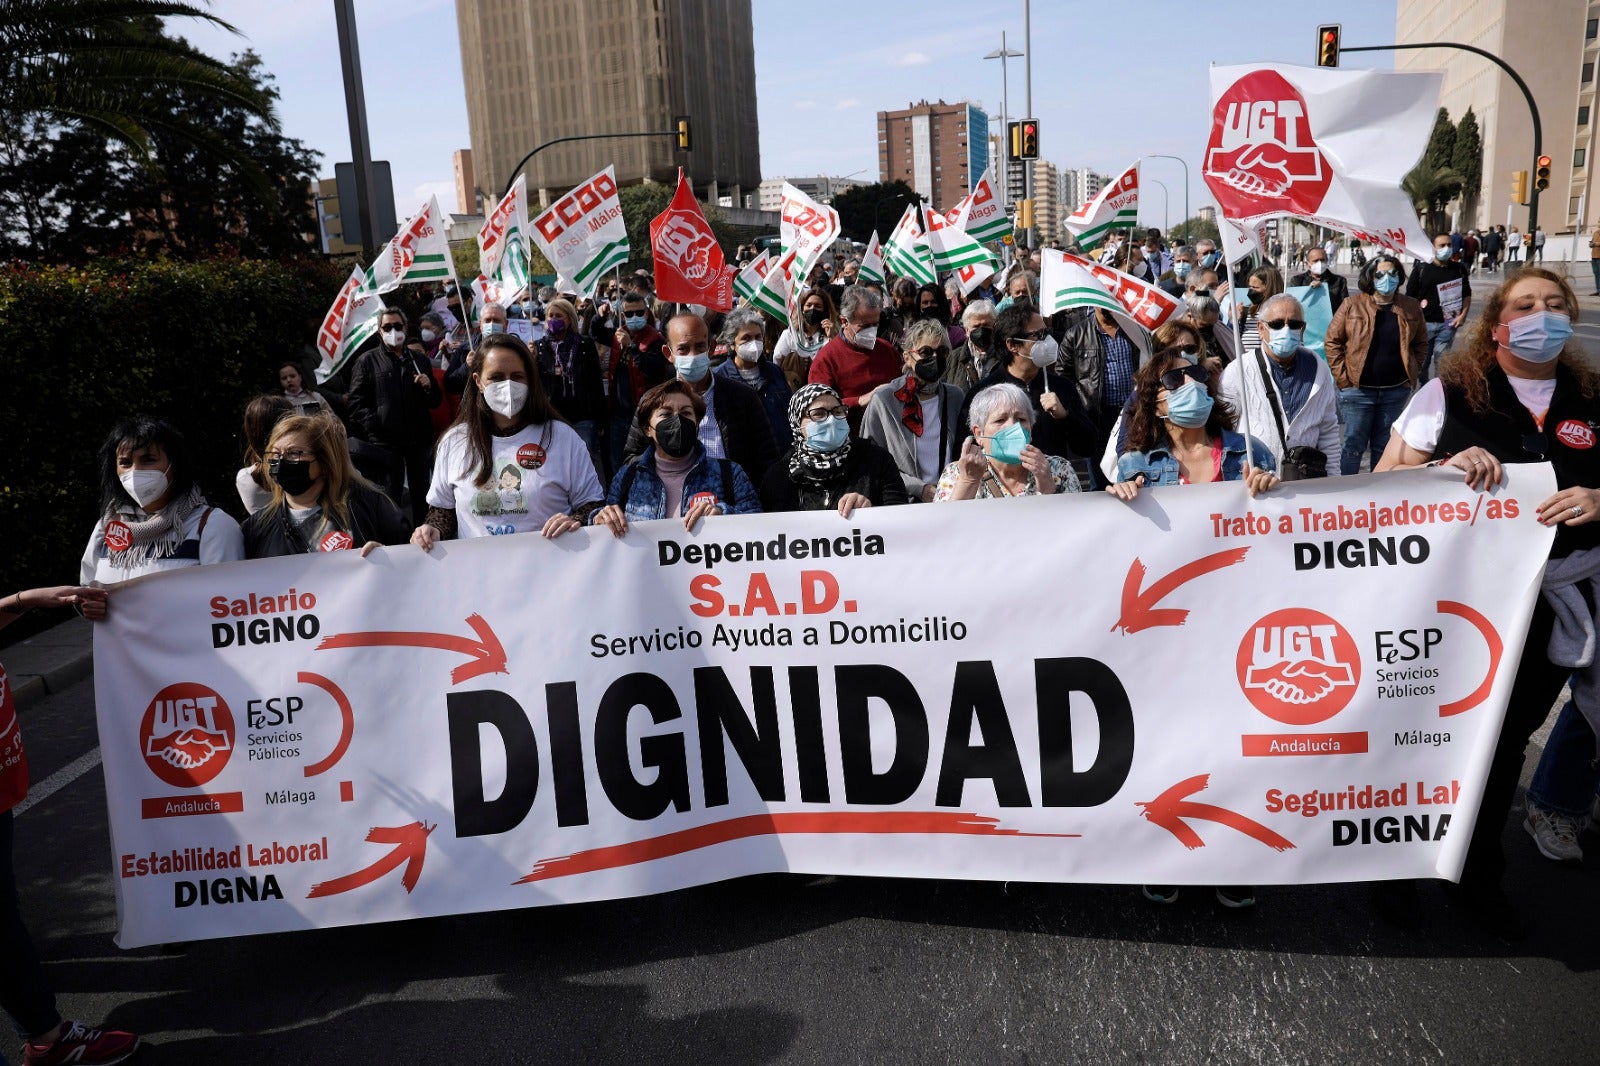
(59, 780)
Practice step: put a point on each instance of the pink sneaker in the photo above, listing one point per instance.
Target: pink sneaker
(82, 1046)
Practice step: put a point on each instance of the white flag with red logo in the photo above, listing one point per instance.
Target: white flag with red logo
(748, 280)
(986, 216)
(1327, 146)
(583, 233)
(1067, 281)
(503, 243)
(807, 227)
(1150, 305)
(872, 261)
(773, 295)
(949, 242)
(689, 264)
(419, 252)
(349, 323)
(1117, 207)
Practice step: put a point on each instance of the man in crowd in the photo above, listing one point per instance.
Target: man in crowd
(1205, 249)
(1317, 273)
(1155, 253)
(638, 363)
(1103, 360)
(858, 360)
(1446, 296)
(735, 426)
(391, 393)
(1177, 282)
(972, 360)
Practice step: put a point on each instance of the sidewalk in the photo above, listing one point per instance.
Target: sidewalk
(49, 662)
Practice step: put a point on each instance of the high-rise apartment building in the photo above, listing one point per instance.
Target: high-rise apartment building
(538, 70)
(1047, 213)
(1078, 187)
(1554, 45)
(467, 198)
(938, 149)
(821, 188)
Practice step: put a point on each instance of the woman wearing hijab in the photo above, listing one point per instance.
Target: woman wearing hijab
(826, 468)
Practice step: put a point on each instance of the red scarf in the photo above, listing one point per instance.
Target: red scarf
(911, 405)
(13, 761)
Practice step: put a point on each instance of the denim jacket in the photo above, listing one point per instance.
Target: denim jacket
(1160, 467)
(647, 496)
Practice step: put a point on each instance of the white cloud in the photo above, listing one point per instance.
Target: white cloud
(913, 59)
(846, 104)
(805, 105)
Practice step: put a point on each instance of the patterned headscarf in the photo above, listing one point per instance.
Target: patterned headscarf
(805, 462)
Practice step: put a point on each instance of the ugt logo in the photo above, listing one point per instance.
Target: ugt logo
(186, 735)
(1262, 156)
(688, 246)
(1298, 666)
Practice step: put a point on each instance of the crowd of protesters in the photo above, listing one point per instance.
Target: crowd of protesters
(564, 410)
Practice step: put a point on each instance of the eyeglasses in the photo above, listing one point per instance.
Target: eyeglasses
(1188, 349)
(1036, 335)
(820, 415)
(928, 353)
(1175, 378)
(1292, 323)
(296, 455)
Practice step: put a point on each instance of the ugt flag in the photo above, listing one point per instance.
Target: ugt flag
(1326, 146)
(689, 264)
(1117, 207)
(503, 242)
(419, 252)
(349, 323)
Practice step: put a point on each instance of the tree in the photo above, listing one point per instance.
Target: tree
(1431, 189)
(864, 208)
(65, 193)
(1466, 159)
(105, 65)
(1441, 142)
(1198, 229)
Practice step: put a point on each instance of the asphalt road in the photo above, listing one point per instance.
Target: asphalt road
(794, 969)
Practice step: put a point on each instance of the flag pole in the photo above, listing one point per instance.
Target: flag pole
(1239, 357)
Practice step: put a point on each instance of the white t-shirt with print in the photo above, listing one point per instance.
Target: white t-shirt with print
(1420, 424)
(522, 493)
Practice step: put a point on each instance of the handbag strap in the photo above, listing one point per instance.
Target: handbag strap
(1272, 399)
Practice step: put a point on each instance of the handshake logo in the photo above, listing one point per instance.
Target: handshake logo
(186, 735)
(1262, 149)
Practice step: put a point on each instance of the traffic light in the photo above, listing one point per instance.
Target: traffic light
(1541, 176)
(1024, 214)
(683, 133)
(1013, 141)
(1519, 186)
(1328, 45)
(1030, 139)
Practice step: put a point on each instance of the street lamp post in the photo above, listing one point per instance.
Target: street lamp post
(1185, 166)
(1166, 203)
(1002, 54)
(1027, 95)
(366, 206)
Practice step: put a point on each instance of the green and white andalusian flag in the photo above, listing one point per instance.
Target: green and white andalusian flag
(1117, 207)
(349, 323)
(777, 286)
(905, 252)
(952, 246)
(419, 252)
(1065, 283)
(872, 261)
(748, 280)
(986, 215)
(503, 242)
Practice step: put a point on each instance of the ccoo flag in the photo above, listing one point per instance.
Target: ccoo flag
(1326, 146)
(503, 242)
(1117, 207)
(905, 251)
(748, 280)
(349, 323)
(583, 234)
(419, 252)
(986, 215)
(689, 264)
(872, 261)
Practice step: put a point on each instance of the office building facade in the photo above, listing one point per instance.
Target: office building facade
(938, 149)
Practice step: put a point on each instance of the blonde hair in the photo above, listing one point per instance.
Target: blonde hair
(331, 449)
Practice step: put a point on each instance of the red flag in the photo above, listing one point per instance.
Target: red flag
(689, 263)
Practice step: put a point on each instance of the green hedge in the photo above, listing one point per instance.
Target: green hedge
(86, 346)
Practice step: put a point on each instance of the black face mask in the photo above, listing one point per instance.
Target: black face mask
(1257, 297)
(676, 436)
(930, 369)
(814, 317)
(982, 336)
(293, 474)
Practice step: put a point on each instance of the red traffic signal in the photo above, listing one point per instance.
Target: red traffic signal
(1541, 174)
(1328, 45)
(1030, 139)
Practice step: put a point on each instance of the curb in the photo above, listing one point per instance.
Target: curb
(50, 662)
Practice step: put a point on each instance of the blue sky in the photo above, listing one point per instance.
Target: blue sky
(1111, 81)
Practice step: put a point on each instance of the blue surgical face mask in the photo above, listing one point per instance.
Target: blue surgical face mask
(1189, 406)
(1003, 304)
(491, 328)
(635, 323)
(1386, 283)
(827, 436)
(1180, 269)
(1539, 337)
(1006, 446)
(1284, 342)
(693, 367)
(1442, 254)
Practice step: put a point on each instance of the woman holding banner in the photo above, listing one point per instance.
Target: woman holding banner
(508, 464)
(827, 469)
(317, 501)
(1520, 391)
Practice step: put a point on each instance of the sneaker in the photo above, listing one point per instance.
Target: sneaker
(1163, 894)
(1555, 835)
(1236, 897)
(1593, 823)
(82, 1046)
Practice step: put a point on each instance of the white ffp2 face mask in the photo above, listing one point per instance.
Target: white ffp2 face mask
(505, 397)
(145, 486)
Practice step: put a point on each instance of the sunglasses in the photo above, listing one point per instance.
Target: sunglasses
(1036, 335)
(928, 353)
(1176, 378)
(1188, 349)
(1292, 323)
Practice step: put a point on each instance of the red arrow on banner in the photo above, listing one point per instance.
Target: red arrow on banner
(488, 657)
(1169, 810)
(1139, 610)
(410, 846)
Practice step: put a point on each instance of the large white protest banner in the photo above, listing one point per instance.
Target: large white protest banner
(1302, 687)
(349, 323)
(1116, 207)
(583, 233)
(1327, 146)
(419, 252)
